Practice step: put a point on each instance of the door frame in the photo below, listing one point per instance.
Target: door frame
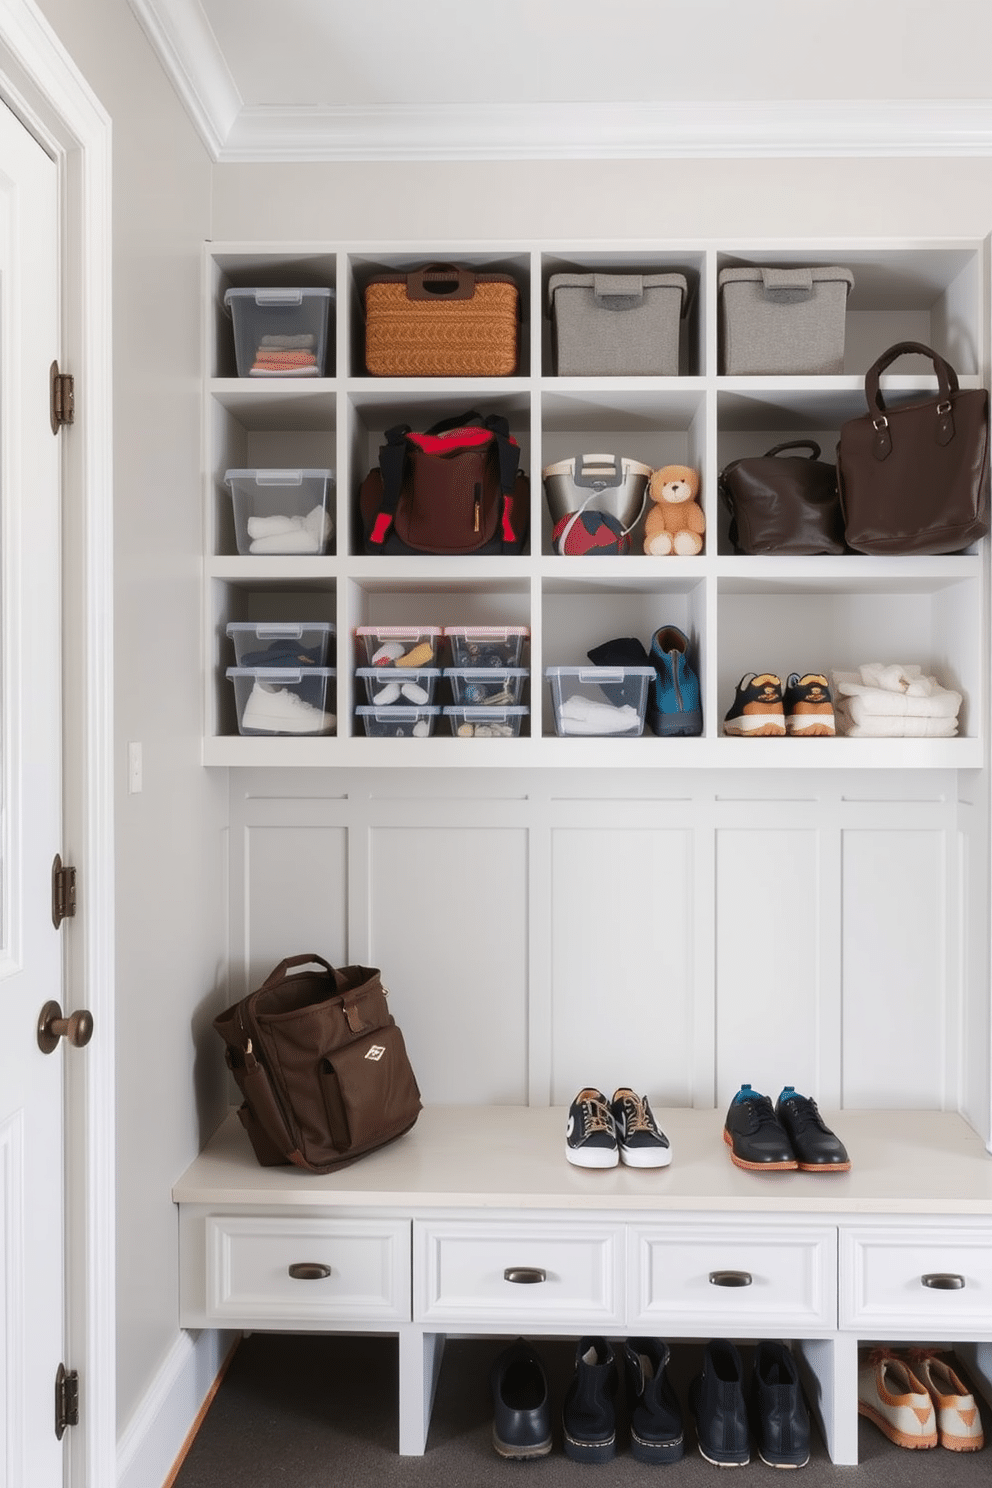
(41, 84)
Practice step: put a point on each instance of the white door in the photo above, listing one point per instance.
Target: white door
(31, 1082)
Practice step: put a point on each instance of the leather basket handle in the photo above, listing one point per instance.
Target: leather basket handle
(440, 282)
(947, 378)
(792, 444)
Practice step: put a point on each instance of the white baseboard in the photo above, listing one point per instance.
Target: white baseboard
(154, 1436)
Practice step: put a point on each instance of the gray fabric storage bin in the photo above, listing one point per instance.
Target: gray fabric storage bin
(617, 325)
(778, 320)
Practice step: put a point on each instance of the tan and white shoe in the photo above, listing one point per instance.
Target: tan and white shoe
(891, 1396)
(959, 1423)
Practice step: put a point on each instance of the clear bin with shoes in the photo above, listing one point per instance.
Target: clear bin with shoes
(600, 701)
(284, 700)
(398, 723)
(280, 332)
(264, 643)
(467, 722)
(399, 645)
(489, 687)
(281, 511)
(388, 687)
(486, 645)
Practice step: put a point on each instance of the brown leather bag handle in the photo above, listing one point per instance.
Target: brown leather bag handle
(304, 960)
(947, 386)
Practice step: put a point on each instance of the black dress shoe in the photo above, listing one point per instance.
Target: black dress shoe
(816, 1147)
(521, 1404)
(779, 1418)
(756, 1138)
(716, 1399)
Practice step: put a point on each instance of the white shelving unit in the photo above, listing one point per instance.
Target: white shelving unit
(741, 614)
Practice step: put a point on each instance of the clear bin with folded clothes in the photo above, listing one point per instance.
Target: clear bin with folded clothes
(280, 332)
(599, 701)
(282, 511)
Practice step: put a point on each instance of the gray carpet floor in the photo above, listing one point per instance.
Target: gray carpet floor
(316, 1410)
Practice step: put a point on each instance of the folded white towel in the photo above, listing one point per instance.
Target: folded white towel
(296, 541)
(282, 534)
(933, 702)
(889, 726)
(581, 715)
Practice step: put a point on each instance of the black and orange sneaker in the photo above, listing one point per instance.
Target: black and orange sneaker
(809, 709)
(757, 707)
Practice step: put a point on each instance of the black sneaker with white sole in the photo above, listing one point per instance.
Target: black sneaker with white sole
(641, 1141)
(590, 1133)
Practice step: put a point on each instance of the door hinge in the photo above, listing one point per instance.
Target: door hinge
(63, 891)
(62, 397)
(66, 1399)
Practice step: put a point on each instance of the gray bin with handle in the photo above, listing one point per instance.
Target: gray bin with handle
(617, 325)
(783, 320)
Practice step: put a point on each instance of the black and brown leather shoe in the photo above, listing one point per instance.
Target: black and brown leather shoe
(756, 1138)
(817, 1148)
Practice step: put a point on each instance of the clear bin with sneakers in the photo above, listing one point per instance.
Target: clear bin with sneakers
(281, 511)
(399, 645)
(280, 332)
(264, 643)
(599, 701)
(398, 723)
(468, 722)
(486, 645)
(284, 700)
(392, 687)
(489, 687)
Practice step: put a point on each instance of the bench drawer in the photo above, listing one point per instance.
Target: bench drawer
(932, 1280)
(308, 1272)
(690, 1278)
(519, 1275)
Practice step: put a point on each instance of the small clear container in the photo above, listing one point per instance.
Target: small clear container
(278, 700)
(280, 332)
(485, 723)
(264, 643)
(599, 701)
(398, 687)
(486, 645)
(399, 645)
(398, 723)
(489, 687)
(281, 511)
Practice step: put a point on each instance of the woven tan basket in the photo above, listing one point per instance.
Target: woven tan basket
(441, 321)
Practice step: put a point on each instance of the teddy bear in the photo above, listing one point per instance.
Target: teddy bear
(675, 524)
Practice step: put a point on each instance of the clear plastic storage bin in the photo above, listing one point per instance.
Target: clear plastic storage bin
(282, 511)
(601, 701)
(398, 687)
(491, 687)
(486, 645)
(280, 332)
(398, 723)
(277, 700)
(485, 723)
(399, 645)
(264, 643)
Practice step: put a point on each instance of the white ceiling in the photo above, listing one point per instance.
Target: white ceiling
(387, 79)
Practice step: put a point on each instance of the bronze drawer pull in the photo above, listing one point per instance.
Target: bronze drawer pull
(525, 1275)
(309, 1270)
(730, 1278)
(943, 1281)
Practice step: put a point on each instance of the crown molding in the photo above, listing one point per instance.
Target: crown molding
(233, 131)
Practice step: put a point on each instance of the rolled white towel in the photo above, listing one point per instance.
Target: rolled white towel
(937, 702)
(297, 541)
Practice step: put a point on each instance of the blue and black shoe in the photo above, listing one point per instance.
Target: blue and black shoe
(674, 703)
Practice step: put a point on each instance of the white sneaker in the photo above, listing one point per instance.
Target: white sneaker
(890, 1395)
(277, 710)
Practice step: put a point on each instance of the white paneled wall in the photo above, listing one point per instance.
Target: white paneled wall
(678, 933)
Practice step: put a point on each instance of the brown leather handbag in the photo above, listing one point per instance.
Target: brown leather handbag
(783, 503)
(914, 478)
(321, 1064)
